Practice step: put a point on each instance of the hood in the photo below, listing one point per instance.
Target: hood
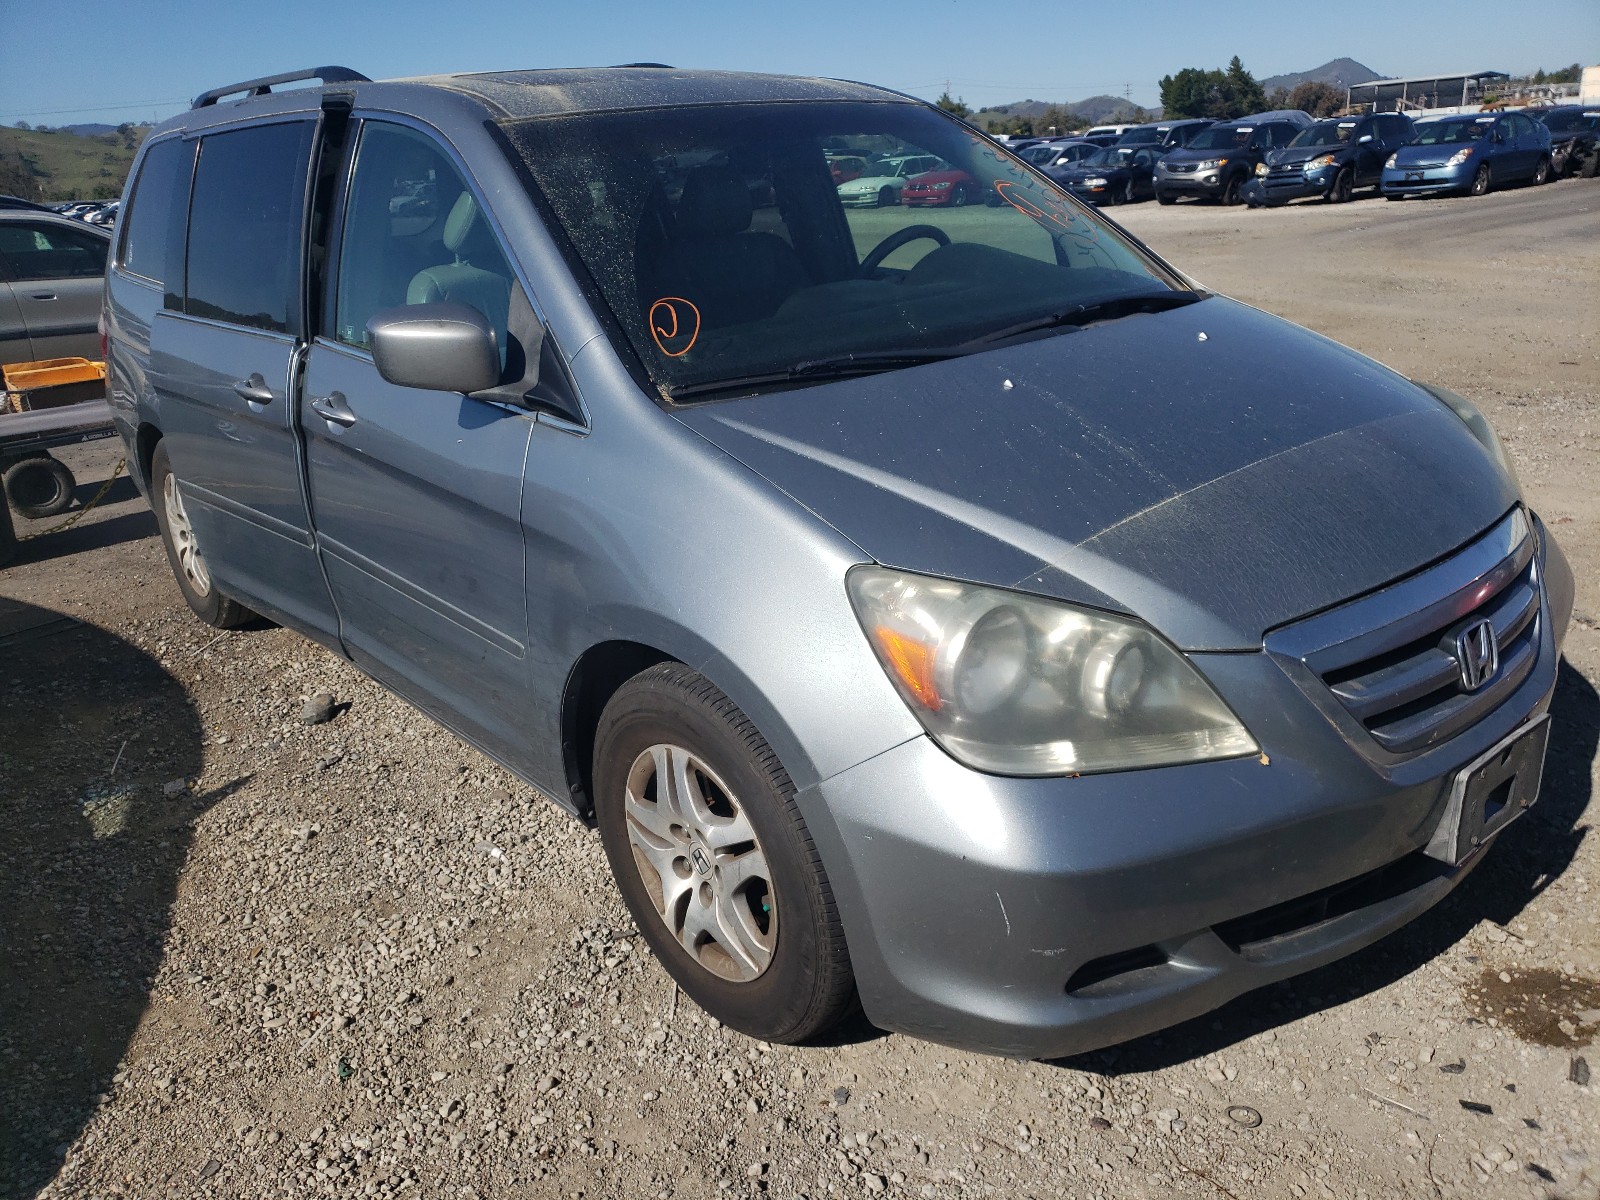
(1182, 154)
(1077, 172)
(1437, 155)
(1302, 154)
(1216, 488)
(928, 177)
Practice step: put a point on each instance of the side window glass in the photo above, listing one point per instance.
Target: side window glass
(46, 251)
(413, 234)
(153, 219)
(245, 225)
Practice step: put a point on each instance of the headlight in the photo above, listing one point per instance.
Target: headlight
(1262, 169)
(1390, 162)
(1479, 426)
(1461, 156)
(1018, 685)
(1211, 164)
(1320, 161)
(1095, 181)
(940, 186)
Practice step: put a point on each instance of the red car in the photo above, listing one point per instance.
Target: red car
(946, 186)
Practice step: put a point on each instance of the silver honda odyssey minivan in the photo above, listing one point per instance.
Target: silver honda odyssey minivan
(905, 647)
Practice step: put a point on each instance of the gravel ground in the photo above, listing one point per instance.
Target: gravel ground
(245, 956)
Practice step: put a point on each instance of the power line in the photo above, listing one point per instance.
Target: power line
(58, 112)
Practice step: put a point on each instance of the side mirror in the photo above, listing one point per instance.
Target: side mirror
(438, 347)
(1363, 139)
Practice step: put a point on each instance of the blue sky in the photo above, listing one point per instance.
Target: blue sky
(132, 60)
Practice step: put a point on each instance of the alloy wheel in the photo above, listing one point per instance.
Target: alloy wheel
(183, 539)
(701, 862)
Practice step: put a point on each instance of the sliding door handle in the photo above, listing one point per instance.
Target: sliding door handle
(254, 389)
(332, 407)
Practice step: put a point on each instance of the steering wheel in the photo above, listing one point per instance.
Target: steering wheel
(895, 240)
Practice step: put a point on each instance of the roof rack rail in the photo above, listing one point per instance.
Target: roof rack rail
(264, 85)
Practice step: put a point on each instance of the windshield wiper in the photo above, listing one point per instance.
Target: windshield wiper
(839, 366)
(1086, 314)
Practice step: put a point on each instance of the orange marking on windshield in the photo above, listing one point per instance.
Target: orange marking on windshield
(1048, 208)
(667, 307)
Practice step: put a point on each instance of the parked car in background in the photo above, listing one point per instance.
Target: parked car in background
(105, 214)
(883, 181)
(17, 202)
(1219, 161)
(1006, 635)
(1469, 154)
(1574, 138)
(945, 186)
(52, 272)
(845, 167)
(1330, 159)
(1104, 135)
(1111, 175)
(1164, 135)
(1060, 153)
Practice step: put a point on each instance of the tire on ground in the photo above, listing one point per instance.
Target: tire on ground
(39, 487)
(806, 986)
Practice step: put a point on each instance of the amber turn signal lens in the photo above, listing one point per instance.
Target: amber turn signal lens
(912, 662)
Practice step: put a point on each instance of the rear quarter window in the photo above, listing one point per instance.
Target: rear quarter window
(152, 225)
(245, 226)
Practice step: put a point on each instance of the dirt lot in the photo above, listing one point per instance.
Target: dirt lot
(243, 956)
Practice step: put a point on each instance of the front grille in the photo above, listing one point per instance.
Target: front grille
(1401, 680)
(1182, 168)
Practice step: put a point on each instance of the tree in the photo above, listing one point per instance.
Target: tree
(22, 125)
(1318, 99)
(954, 106)
(1242, 94)
(1190, 92)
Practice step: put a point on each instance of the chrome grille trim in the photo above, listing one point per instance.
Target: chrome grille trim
(1386, 661)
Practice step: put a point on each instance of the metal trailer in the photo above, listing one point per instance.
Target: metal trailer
(36, 483)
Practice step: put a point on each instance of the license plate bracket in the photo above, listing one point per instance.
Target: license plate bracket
(1490, 792)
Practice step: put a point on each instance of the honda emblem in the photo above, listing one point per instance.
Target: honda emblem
(1477, 654)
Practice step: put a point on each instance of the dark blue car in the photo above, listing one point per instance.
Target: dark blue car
(1468, 154)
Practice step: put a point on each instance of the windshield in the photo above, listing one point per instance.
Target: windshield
(718, 241)
(1445, 133)
(1140, 137)
(1223, 137)
(1107, 156)
(1325, 133)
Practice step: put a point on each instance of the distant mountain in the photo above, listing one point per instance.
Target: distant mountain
(88, 130)
(1092, 111)
(1341, 73)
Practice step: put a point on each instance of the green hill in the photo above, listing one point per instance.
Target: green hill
(56, 165)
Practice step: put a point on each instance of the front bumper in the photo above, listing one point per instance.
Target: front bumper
(1283, 185)
(1090, 195)
(1426, 181)
(1208, 185)
(1039, 918)
(926, 199)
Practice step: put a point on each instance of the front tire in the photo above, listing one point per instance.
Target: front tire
(958, 197)
(711, 855)
(1482, 182)
(1343, 187)
(1230, 193)
(886, 197)
(1541, 174)
(183, 550)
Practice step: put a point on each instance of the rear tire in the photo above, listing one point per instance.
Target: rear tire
(39, 487)
(713, 859)
(183, 550)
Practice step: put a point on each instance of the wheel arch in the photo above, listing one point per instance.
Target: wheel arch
(145, 440)
(592, 681)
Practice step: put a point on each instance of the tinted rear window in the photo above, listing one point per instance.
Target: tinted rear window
(244, 226)
(152, 228)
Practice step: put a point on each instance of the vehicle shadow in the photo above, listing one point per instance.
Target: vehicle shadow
(1525, 860)
(98, 748)
(97, 535)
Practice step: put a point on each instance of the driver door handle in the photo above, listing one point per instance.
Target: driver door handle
(333, 407)
(254, 389)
